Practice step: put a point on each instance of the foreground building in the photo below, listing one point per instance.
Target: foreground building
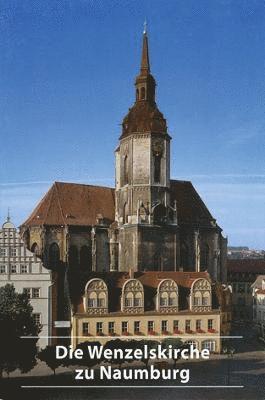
(258, 289)
(23, 269)
(241, 274)
(153, 305)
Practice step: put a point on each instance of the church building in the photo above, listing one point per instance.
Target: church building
(148, 222)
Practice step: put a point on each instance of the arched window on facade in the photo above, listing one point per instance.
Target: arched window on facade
(157, 168)
(125, 213)
(54, 255)
(209, 345)
(159, 214)
(184, 255)
(73, 257)
(96, 296)
(167, 295)
(193, 343)
(137, 94)
(201, 295)
(133, 296)
(85, 258)
(204, 256)
(125, 170)
(142, 93)
(35, 249)
(157, 264)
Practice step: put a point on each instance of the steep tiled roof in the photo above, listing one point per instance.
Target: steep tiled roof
(77, 204)
(190, 207)
(246, 265)
(73, 204)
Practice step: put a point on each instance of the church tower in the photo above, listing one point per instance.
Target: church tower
(145, 216)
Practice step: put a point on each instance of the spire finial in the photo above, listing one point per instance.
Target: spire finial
(145, 27)
(8, 214)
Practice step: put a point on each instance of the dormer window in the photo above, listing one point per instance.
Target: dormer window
(132, 296)
(96, 297)
(201, 295)
(167, 295)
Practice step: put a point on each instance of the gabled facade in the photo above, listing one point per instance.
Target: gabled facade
(23, 269)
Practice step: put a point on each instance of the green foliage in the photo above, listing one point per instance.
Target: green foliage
(16, 320)
(151, 344)
(175, 343)
(48, 355)
(86, 360)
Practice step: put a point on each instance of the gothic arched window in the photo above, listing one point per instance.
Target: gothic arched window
(125, 169)
(85, 258)
(73, 257)
(35, 249)
(159, 214)
(184, 255)
(137, 94)
(54, 255)
(125, 213)
(157, 168)
(142, 93)
(204, 257)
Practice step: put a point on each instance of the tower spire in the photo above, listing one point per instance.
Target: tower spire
(145, 65)
(8, 214)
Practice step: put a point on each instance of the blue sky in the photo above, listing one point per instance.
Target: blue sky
(67, 70)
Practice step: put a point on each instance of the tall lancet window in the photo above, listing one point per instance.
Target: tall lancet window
(125, 170)
(157, 168)
(157, 157)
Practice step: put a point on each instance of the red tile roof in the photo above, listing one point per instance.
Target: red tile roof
(73, 204)
(77, 204)
(246, 265)
(190, 207)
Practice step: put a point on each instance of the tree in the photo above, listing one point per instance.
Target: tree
(48, 355)
(175, 343)
(86, 360)
(151, 344)
(16, 320)
(116, 344)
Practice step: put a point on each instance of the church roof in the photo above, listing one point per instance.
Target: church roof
(73, 204)
(78, 204)
(190, 207)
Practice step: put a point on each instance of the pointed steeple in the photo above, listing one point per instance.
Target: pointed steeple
(144, 116)
(145, 65)
(145, 83)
